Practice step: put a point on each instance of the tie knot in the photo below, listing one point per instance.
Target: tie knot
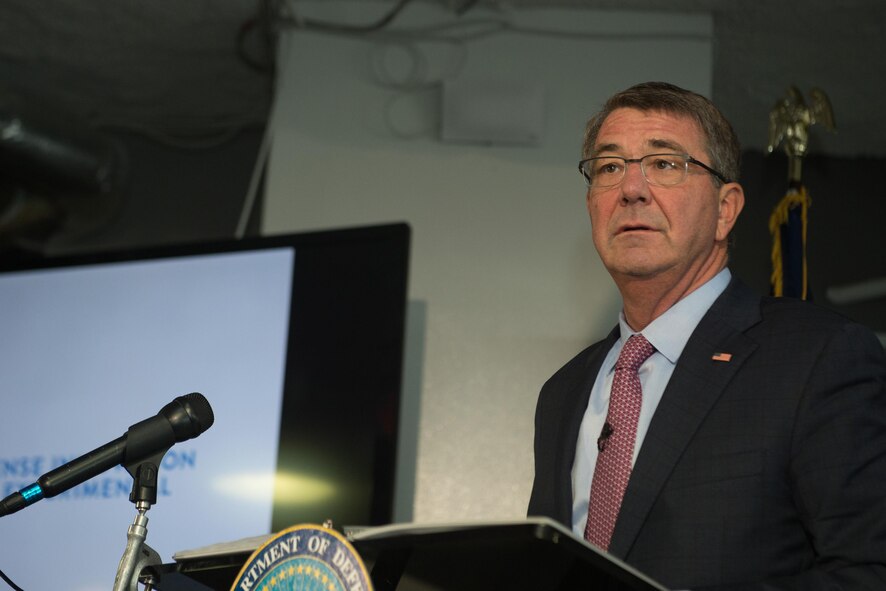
(634, 353)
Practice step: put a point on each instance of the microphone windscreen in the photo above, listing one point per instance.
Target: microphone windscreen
(190, 415)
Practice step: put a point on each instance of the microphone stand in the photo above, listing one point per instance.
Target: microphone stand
(139, 555)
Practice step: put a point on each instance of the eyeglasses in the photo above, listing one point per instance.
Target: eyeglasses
(664, 170)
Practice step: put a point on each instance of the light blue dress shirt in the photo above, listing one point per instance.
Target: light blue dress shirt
(668, 334)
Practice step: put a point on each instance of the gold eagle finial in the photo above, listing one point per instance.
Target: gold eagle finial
(789, 122)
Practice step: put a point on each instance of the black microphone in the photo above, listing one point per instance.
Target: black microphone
(184, 418)
(605, 434)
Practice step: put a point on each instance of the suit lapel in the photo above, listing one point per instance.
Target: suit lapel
(696, 384)
(574, 404)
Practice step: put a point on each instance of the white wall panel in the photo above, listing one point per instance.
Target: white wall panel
(502, 259)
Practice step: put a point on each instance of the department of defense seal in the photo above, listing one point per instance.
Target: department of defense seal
(304, 558)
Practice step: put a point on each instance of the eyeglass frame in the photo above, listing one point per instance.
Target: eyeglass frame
(689, 160)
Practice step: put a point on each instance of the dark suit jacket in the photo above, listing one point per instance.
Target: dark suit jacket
(769, 467)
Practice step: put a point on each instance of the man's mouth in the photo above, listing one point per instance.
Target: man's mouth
(628, 228)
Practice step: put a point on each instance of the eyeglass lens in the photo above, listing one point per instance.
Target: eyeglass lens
(659, 169)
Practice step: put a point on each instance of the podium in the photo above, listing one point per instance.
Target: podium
(536, 554)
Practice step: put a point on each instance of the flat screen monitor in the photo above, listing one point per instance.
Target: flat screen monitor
(296, 341)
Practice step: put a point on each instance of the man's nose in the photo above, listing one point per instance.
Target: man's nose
(634, 186)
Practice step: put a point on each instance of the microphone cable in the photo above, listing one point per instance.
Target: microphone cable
(9, 582)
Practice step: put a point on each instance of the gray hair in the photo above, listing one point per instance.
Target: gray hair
(720, 139)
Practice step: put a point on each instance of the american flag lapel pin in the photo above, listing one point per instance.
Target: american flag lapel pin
(722, 357)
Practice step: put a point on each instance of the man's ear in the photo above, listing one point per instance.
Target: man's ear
(731, 202)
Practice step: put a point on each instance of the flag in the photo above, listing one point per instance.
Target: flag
(788, 224)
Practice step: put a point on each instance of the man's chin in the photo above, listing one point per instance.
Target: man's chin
(638, 269)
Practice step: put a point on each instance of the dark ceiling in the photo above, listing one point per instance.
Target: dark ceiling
(171, 68)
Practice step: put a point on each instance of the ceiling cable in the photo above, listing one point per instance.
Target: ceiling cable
(380, 24)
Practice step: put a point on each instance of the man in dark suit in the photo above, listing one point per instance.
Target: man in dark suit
(742, 443)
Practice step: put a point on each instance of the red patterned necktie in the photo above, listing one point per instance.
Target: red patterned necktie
(616, 443)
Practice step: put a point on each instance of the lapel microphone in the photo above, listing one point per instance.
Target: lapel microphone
(605, 434)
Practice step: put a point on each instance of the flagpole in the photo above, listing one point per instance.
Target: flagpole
(789, 123)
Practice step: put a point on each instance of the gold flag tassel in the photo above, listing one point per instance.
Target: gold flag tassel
(795, 197)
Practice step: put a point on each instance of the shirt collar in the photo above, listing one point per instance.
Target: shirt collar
(670, 332)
